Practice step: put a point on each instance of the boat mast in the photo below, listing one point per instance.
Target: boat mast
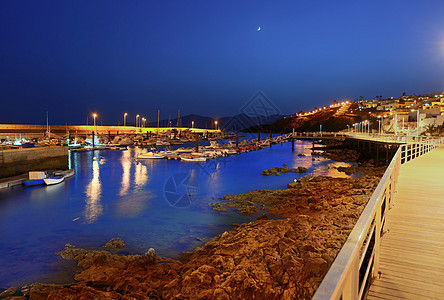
(158, 115)
(47, 126)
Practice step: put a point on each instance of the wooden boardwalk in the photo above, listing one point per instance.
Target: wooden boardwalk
(412, 251)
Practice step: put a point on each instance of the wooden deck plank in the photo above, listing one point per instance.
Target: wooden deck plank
(412, 249)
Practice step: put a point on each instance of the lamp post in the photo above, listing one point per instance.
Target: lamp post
(143, 122)
(137, 120)
(192, 124)
(95, 127)
(215, 124)
(124, 119)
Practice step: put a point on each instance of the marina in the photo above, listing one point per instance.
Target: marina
(154, 203)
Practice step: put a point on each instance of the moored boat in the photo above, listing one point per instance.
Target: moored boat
(54, 179)
(66, 174)
(192, 158)
(151, 155)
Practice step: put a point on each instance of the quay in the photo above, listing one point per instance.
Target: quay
(12, 181)
(36, 131)
(14, 162)
(396, 248)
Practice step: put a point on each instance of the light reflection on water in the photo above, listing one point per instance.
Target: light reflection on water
(115, 195)
(93, 207)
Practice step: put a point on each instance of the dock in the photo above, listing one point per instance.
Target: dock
(12, 181)
(412, 249)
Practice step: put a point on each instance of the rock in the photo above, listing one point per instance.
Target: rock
(150, 256)
(9, 292)
(302, 170)
(217, 206)
(263, 217)
(115, 243)
(285, 169)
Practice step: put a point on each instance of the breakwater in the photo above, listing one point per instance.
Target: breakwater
(37, 131)
(18, 161)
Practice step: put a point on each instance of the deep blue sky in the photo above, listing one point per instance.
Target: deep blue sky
(72, 58)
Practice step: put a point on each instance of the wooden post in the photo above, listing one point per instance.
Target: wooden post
(197, 143)
(237, 140)
(258, 136)
(271, 134)
(93, 140)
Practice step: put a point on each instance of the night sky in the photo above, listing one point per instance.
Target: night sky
(73, 58)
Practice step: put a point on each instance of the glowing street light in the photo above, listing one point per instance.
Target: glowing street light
(215, 124)
(143, 122)
(137, 119)
(192, 124)
(124, 118)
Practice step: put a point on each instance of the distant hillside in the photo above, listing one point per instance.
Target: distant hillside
(327, 119)
(236, 123)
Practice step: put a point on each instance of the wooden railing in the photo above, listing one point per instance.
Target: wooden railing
(357, 263)
(392, 138)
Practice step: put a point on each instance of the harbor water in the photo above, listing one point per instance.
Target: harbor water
(160, 204)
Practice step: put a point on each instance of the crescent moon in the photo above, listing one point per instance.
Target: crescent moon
(259, 28)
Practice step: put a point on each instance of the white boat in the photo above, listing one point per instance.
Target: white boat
(192, 158)
(162, 143)
(184, 150)
(151, 155)
(54, 179)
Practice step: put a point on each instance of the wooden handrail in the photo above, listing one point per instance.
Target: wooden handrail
(358, 261)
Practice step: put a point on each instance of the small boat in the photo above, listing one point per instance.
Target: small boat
(151, 155)
(232, 152)
(66, 174)
(162, 143)
(192, 158)
(54, 179)
(184, 150)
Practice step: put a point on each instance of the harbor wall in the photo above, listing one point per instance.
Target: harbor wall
(11, 131)
(19, 161)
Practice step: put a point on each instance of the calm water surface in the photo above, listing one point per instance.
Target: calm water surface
(161, 204)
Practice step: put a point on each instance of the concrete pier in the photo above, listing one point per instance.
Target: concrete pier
(19, 161)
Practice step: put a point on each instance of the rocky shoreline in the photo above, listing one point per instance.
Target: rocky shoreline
(266, 259)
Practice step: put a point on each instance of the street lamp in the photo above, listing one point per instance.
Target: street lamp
(143, 121)
(215, 124)
(124, 118)
(192, 124)
(137, 119)
(95, 128)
